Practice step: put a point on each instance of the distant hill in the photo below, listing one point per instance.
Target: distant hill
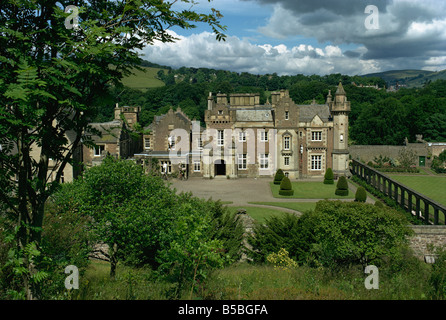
(408, 78)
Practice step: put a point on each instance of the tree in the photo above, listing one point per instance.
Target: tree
(342, 187)
(329, 177)
(358, 233)
(286, 188)
(52, 75)
(407, 157)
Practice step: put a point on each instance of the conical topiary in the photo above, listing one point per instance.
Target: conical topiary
(285, 187)
(279, 176)
(360, 195)
(342, 187)
(329, 177)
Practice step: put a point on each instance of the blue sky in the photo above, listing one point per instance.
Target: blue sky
(313, 37)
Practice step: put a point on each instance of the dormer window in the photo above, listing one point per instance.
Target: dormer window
(220, 111)
(171, 142)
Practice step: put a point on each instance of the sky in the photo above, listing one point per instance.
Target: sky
(287, 37)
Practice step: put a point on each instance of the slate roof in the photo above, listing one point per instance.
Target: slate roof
(110, 131)
(264, 114)
(308, 112)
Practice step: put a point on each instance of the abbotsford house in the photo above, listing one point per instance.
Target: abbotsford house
(241, 138)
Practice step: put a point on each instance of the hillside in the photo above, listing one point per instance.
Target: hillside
(409, 78)
(141, 80)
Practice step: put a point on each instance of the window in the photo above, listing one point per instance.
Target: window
(171, 141)
(220, 111)
(287, 115)
(264, 136)
(286, 161)
(242, 136)
(166, 165)
(341, 137)
(147, 143)
(316, 162)
(287, 174)
(221, 138)
(199, 144)
(264, 161)
(197, 166)
(241, 161)
(316, 136)
(286, 143)
(98, 150)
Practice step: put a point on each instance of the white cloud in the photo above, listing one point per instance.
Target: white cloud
(235, 54)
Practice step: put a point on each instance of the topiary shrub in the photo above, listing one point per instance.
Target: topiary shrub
(329, 177)
(279, 176)
(285, 187)
(360, 195)
(342, 187)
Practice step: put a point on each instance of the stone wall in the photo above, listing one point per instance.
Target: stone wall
(425, 235)
(369, 152)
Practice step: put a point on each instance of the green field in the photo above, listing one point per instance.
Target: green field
(431, 186)
(298, 206)
(311, 190)
(143, 80)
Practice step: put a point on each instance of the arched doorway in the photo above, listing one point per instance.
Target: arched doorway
(220, 167)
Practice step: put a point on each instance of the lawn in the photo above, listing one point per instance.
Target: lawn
(431, 186)
(298, 206)
(311, 190)
(259, 214)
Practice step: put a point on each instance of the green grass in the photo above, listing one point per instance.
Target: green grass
(298, 206)
(431, 186)
(143, 80)
(259, 214)
(311, 190)
(129, 284)
(264, 282)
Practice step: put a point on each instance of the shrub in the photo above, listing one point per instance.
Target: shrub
(281, 260)
(379, 204)
(438, 275)
(361, 195)
(342, 187)
(329, 177)
(285, 187)
(279, 176)
(336, 233)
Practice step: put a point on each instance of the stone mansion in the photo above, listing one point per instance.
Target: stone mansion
(242, 138)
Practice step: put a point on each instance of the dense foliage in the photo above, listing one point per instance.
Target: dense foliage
(142, 222)
(335, 234)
